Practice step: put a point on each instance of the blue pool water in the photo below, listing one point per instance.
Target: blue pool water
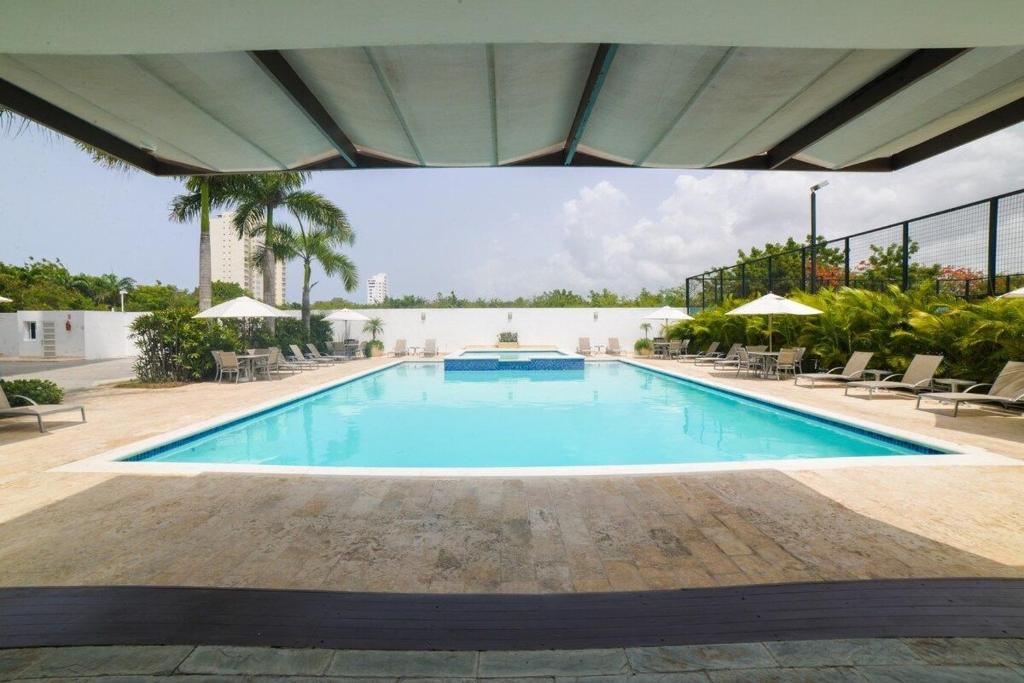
(417, 415)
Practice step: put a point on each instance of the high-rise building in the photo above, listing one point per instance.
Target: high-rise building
(377, 289)
(232, 259)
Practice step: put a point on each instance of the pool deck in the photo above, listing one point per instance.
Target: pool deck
(511, 535)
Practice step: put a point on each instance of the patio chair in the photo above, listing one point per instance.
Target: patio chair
(798, 361)
(227, 365)
(400, 349)
(259, 365)
(1007, 391)
(308, 357)
(314, 354)
(853, 370)
(583, 346)
(674, 348)
(298, 359)
(36, 410)
(786, 362)
(333, 350)
(745, 362)
(277, 363)
(430, 348)
(730, 355)
(613, 348)
(712, 351)
(757, 349)
(918, 377)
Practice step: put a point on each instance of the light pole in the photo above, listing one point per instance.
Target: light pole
(814, 235)
(122, 293)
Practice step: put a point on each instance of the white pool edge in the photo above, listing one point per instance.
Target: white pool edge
(114, 461)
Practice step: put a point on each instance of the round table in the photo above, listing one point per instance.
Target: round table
(954, 383)
(877, 373)
(763, 358)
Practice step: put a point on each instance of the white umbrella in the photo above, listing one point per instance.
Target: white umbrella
(242, 307)
(772, 305)
(5, 300)
(1015, 294)
(667, 314)
(346, 315)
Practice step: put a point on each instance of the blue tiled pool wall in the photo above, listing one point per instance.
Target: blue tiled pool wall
(494, 363)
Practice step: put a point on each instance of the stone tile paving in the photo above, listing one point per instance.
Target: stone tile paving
(828, 661)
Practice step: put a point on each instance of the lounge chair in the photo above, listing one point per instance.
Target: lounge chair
(853, 370)
(729, 356)
(298, 359)
(745, 362)
(583, 346)
(613, 348)
(675, 347)
(333, 350)
(400, 349)
(314, 354)
(918, 377)
(277, 363)
(711, 351)
(1007, 391)
(430, 348)
(36, 410)
(757, 349)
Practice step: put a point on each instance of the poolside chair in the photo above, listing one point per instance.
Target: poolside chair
(430, 348)
(613, 348)
(308, 357)
(333, 350)
(1007, 391)
(277, 363)
(674, 348)
(259, 365)
(786, 362)
(745, 362)
(853, 370)
(227, 364)
(299, 360)
(798, 361)
(730, 355)
(36, 410)
(400, 349)
(583, 346)
(918, 377)
(757, 349)
(314, 354)
(712, 351)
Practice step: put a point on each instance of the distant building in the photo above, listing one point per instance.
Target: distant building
(232, 258)
(377, 289)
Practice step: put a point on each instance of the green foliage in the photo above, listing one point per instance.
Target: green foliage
(160, 297)
(226, 291)
(374, 326)
(369, 346)
(976, 338)
(175, 347)
(508, 337)
(642, 344)
(42, 391)
(557, 298)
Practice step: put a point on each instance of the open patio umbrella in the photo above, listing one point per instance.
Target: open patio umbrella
(243, 307)
(5, 300)
(667, 314)
(772, 305)
(1015, 294)
(346, 315)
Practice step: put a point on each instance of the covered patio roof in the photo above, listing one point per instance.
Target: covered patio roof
(212, 86)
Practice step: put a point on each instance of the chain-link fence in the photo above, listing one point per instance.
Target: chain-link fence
(974, 250)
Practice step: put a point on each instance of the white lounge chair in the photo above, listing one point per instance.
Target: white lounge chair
(400, 349)
(613, 348)
(314, 354)
(583, 347)
(36, 410)
(297, 358)
(429, 348)
(711, 351)
(917, 378)
(730, 355)
(853, 370)
(1007, 391)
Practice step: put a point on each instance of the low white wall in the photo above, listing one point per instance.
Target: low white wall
(9, 334)
(106, 334)
(93, 335)
(454, 328)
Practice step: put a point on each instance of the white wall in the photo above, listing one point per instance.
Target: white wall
(106, 334)
(9, 334)
(457, 327)
(93, 335)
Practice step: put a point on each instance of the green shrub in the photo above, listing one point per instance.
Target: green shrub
(175, 347)
(370, 345)
(642, 344)
(42, 391)
(508, 337)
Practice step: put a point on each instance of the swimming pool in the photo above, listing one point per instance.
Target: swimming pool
(512, 359)
(416, 415)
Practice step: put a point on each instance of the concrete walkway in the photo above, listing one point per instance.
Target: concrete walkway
(862, 661)
(74, 375)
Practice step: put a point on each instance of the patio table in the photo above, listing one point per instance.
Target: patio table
(954, 383)
(413, 350)
(877, 373)
(764, 360)
(660, 348)
(249, 360)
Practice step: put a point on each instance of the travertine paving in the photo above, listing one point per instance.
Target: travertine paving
(860, 661)
(494, 535)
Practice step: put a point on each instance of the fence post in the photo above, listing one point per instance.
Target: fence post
(721, 286)
(703, 298)
(743, 279)
(771, 282)
(687, 295)
(906, 256)
(803, 269)
(993, 235)
(846, 261)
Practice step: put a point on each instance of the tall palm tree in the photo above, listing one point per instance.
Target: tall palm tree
(202, 194)
(257, 197)
(320, 243)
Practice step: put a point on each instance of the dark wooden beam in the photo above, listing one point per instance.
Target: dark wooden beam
(591, 89)
(908, 71)
(277, 66)
(994, 121)
(42, 112)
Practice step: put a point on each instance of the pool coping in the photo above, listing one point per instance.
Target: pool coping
(117, 461)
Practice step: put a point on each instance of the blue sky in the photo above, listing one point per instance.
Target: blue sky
(485, 232)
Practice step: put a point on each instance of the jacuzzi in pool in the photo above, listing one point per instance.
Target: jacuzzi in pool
(513, 359)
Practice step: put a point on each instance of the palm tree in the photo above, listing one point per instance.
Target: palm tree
(374, 326)
(646, 327)
(202, 194)
(256, 198)
(319, 243)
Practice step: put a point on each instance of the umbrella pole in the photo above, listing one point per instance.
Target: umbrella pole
(769, 334)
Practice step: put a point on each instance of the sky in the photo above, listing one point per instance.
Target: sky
(500, 232)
